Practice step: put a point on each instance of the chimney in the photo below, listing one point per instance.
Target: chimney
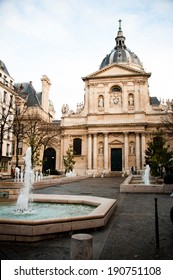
(45, 93)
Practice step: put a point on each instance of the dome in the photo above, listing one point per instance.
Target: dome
(121, 54)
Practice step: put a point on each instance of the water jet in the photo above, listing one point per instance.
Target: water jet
(144, 183)
(30, 229)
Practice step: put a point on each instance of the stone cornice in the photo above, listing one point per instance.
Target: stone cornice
(7, 88)
(144, 124)
(135, 72)
(117, 76)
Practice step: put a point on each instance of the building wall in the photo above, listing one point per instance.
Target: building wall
(7, 107)
(114, 124)
(117, 117)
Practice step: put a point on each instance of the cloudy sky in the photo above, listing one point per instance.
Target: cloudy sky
(67, 40)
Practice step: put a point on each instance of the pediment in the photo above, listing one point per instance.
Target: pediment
(115, 70)
(116, 142)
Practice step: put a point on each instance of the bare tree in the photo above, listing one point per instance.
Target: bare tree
(6, 121)
(39, 133)
(50, 133)
(19, 127)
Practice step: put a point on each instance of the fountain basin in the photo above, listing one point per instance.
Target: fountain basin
(35, 230)
(134, 184)
(9, 190)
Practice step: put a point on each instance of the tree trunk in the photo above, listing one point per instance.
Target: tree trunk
(17, 152)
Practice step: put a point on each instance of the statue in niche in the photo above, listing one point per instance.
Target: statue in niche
(132, 148)
(101, 150)
(131, 100)
(101, 102)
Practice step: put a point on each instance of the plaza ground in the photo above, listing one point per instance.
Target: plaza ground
(129, 235)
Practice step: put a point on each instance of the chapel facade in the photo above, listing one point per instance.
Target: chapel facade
(110, 131)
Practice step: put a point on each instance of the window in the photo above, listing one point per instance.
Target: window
(13, 148)
(8, 133)
(5, 79)
(7, 150)
(77, 146)
(20, 149)
(11, 101)
(17, 110)
(3, 114)
(5, 97)
(116, 89)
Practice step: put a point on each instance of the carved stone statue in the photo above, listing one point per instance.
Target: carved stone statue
(131, 100)
(101, 101)
(65, 109)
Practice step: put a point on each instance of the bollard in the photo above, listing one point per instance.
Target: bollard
(81, 247)
(156, 225)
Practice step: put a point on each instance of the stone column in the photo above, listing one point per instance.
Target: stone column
(95, 151)
(89, 151)
(61, 152)
(81, 247)
(125, 98)
(137, 152)
(143, 149)
(137, 92)
(106, 151)
(126, 152)
(106, 100)
(58, 156)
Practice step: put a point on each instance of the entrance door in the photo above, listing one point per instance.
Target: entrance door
(49, 159)
(116, 159)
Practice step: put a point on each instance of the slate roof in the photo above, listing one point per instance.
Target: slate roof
(121, 54)
(154, 101)
(28, 93)
(4, 68)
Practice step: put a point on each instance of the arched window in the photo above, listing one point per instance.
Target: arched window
(116, 89)
(77, 146)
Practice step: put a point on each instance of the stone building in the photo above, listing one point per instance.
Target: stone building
(7, 107)
(36, 114)
(110, 131)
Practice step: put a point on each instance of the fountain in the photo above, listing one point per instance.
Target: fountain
(22, 225)
(23, 198)
(146, 175)
(144, 183)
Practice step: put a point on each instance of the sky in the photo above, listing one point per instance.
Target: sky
(68, 39)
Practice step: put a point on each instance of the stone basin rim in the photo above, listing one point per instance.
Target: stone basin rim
(102, 207)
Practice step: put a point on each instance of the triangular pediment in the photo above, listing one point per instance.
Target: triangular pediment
(115, 70)
(115, 142)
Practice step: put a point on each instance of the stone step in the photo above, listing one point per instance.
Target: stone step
(114, 174)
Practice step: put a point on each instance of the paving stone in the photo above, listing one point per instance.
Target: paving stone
(130, 233)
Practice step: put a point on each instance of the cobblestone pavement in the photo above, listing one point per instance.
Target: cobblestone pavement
(129, 235)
